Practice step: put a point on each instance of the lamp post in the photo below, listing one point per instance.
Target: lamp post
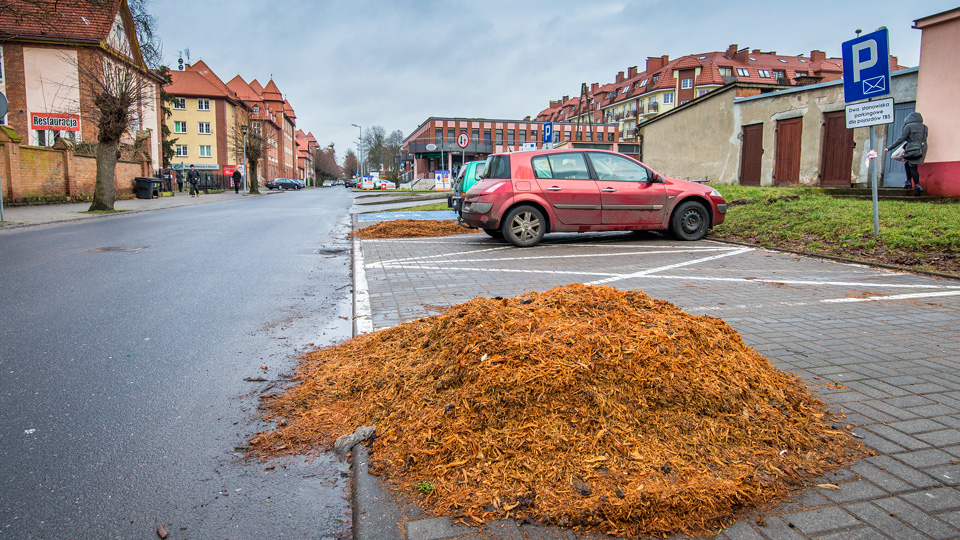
(243, 129)
(360, 146)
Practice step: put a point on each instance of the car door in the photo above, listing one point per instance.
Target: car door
(629, 196)
(565, 183)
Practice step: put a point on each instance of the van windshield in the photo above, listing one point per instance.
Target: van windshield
(497, 167)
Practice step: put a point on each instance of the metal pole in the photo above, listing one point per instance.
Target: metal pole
(1, 198)
(873, 182)
(245, 164)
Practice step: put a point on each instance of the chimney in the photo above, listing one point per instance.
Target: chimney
(742, 56)
(554, 103)
(526, 118)
(566, 99)
(620, 77)
(654, 63)
(817, 56)
(594, 87)
(731, 50)
(894, 62)
(631, 72)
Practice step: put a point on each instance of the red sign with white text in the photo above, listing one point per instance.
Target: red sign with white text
(61, 122)
(228, 169)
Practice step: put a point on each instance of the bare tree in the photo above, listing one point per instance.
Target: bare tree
(373, 147)
(350, 164)
(324, 165)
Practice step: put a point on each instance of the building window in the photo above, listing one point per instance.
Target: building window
(256, 109)
(610, 136)
(475, 138)
(653, 100)
(180, 103)
(533, 135)
(486, 136)
(656, 77)
(763, 73)
(685, 101)
(726, 71)
(451, 135)
(668, 98)
(499, 136)
(743, 72)
(205, 151)
(203, 128)
(642, 83)
(438, 135)
(179, 127)
(801, 73)
(203, 104)
(702, 93)
(511, 137)
(180, 150)
(523, 136)
(686, 83)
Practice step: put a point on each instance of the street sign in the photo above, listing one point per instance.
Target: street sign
(463, 140)
(548, 132)
(870, 113)
(866, 66)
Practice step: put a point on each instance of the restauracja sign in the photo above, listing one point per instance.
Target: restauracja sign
(64, 122)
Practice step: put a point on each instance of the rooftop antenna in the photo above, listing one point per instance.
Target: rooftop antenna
(187, 52)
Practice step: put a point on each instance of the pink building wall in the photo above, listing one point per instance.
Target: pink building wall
(937, 85)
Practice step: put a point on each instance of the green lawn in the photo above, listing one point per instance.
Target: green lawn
(920, 234)
(424, 207)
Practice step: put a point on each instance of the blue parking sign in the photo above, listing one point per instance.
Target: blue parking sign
(548, 132)
(866, 66)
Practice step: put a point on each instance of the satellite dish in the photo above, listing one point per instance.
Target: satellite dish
(3, 104)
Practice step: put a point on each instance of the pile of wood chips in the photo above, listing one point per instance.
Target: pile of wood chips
(583, 406)
(413, 228)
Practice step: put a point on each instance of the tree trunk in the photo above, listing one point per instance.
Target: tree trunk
(105, 192)
(254, 184)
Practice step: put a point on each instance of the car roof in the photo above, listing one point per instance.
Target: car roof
(543, 151)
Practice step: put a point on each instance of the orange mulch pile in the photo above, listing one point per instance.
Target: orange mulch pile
(582, 406)
(412, 228)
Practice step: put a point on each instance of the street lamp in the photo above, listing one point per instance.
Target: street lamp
(360, 146)
(243, 129)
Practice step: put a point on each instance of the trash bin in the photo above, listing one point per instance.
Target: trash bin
(144, 189)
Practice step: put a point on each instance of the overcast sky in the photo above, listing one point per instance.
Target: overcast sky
(397, 63)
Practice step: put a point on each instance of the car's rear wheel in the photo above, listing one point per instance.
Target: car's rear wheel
(690, 221)
(524, 226)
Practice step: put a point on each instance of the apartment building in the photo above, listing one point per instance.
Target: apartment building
(637, 96)
(274, 117)
(50, 54)
(306, 145)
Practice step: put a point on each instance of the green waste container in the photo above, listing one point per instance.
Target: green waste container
(146, 187)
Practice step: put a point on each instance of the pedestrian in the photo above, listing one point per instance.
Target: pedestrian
(914, 139)
(193, 177)
(179, 180)
(236, 181)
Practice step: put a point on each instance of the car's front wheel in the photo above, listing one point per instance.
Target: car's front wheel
(524, 226)
(690, 221)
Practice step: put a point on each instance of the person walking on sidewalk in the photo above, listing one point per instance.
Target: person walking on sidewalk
(236, 181)
(193, 177)
(179, 181)
(914, 136)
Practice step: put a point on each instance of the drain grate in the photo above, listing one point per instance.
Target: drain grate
(331, 251)
(124, 249)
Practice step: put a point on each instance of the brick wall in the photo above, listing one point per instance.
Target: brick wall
(31, 172)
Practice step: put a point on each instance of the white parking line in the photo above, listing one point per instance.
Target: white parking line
(498, 270)
(671, 266)
(362, 312)
(891, 297)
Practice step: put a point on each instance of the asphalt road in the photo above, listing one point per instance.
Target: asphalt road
(122, 392)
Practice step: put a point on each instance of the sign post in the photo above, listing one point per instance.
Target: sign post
(3, 111)
(548, 134)
(866, 75)
(463, 140)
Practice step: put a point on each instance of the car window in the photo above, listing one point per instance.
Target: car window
(497, 167)
(569, 166)
(478, 171)
(617, 168)
(541, 167)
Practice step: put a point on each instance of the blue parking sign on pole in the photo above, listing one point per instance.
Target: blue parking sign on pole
(866, 66)
(548, 132)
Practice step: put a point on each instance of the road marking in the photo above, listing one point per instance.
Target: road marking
(499, 270)
(362, 313)
(892, 297)
(542, 257)
(802, 282)
(671, 266)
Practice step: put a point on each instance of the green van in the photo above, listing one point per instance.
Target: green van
(468, 176)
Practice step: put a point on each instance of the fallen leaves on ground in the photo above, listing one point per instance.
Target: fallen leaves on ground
(583, 406)
(412, 228)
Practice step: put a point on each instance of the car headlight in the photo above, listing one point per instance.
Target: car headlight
(715, 193)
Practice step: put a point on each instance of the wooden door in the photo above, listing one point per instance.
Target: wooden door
(786, 169)
(837, 156)
(750, 155)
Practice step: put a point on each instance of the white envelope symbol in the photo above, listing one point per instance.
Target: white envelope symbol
(874, 85)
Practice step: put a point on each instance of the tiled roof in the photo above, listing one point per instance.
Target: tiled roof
(243, 90)
(203, 70)
(58, 20)
(192, 83)
(270, 92)
(256, 86)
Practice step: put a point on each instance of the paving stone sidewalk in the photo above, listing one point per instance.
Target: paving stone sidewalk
(881, 347)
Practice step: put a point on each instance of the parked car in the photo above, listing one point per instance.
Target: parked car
(468, 176)
(379, 183)
(525, 195)
(282, 183)
(300, 183)
(350, 183)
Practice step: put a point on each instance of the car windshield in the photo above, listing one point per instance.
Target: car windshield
(497, 167)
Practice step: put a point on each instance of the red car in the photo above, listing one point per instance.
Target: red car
(525, 195)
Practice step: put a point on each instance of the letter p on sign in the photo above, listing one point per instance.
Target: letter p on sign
(859, 63)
